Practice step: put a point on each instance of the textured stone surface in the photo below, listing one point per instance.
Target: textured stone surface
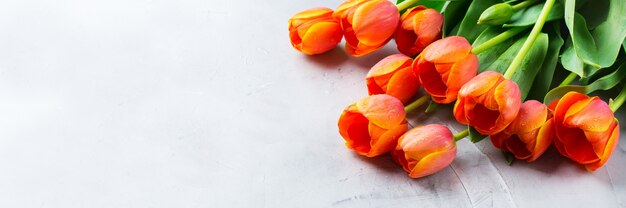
(154, 103)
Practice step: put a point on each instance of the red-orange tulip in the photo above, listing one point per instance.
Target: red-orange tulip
(372, 125)
(529, 135)
(393, 76)
(488, 102)
(367, 24)
(419, 27)
(314, 31)
(586, 129)
(445, 66)
(424, 150)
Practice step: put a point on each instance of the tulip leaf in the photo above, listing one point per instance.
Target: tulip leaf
(434, 4)
(432, 106)
(582, 40)
(571, 61)
(509, 158)
(474, 136)
(527, 17)
(487, 57)
(610, 33)
(468, 28)
(542, 82)
(604, 83)
(531, 63)
(624, 45)
(452, 15)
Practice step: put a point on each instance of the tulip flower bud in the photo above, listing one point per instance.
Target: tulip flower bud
(393, 76)
(444, 66)
(314, 31)
(367, 24)
(488, 102)
(497, 14)
(419, 27)
(586, 129)
(529, 135)
(372, 125)
(425, 150)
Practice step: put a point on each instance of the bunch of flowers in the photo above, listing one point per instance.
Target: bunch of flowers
(496, 62)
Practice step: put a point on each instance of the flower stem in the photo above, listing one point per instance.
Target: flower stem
(541, 20)
(406, 4)
(417, 103)
(460, 135)
(619, 100)
(568, 79)
(523, 4)
(497, 40)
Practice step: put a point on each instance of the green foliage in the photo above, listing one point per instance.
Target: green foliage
(468, 27)
(453, 13)
(530, 65)
(487, 57)
(528, 17)
(474, 136)
(434, 4)
(542, 82)
(605, 83)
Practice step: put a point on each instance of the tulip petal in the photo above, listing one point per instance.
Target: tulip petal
(515, 145)
(383, 110)
(531, 116)
(375, 21)
(447, 50)
(403, 85)
(591, 114)
(480, 84)
(383, 143)
(460, 73)
(427, 25)
(608, 150)
(389, 65)
(353, 127)
(321, 37)
(544, 139)
(577, 147)
(433, 163)
(429, 77)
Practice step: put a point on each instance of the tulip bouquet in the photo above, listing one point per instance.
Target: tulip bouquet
(494, 61)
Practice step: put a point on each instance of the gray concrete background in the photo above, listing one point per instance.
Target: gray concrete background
(162, 103)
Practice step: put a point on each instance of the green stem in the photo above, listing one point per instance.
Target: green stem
(417, 103)
(460, 135)
(406, 4)
(619, 100)
(541, 20)
(568, 79)
(523, 4)
(498, 39)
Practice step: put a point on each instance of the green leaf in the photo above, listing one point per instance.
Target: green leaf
(624, 45)
(558, 92)
(527, 17)
(530, 65)
(542, 82)
(432, 106)
(453, 14)
(487, 57)
(474, 136)
(604, 83)
(610, 33)
(571, 61)
(468, 28)
(594, 12)
(509, 158)
(434, 4)
(584, 44)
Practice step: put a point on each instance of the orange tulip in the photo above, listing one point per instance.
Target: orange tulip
(445, 66)
(488, 102)
(529, 135)
(424, 150)
(586, 129)
(393, 76)
(419, 27)
(367, 24)
(314, 31)
(372, 125)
